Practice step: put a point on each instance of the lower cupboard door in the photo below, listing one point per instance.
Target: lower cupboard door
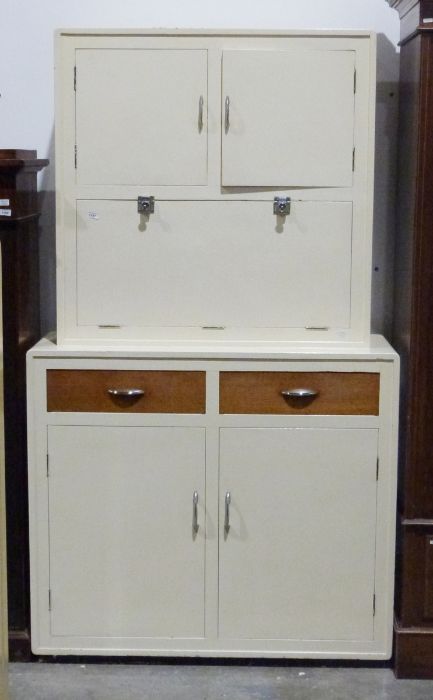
(298, 558)
(125, 560)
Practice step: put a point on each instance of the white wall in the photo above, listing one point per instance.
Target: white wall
(26, 88)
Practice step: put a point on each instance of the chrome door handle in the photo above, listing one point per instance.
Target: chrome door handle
(227, 501)
(194, 512)
(200, 113)
(300, 393)
(126, 393)
(227, 115)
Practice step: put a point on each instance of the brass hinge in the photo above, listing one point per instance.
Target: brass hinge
(377, 469)
(75, 155)
(374, 604)
(49, 600)
(75, 78)
(354, 81)
(353, 160)
(48, 465)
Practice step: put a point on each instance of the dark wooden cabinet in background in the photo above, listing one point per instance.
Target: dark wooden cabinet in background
(19, 214)
(413, 339)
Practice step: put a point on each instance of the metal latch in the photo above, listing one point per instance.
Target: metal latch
(146, 205)
(282, 206)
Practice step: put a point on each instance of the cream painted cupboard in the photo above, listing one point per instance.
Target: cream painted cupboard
(212, 441)
(221, 517)
(214, 186)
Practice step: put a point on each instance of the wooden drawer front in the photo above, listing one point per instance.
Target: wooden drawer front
(88, 390)
(338, 393)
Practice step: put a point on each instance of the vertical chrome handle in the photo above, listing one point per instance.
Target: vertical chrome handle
(228, 500)
(227, 114)
(194, 512)
(200, 113)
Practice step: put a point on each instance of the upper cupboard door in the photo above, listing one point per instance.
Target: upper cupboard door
(141, 117)
(288, 118)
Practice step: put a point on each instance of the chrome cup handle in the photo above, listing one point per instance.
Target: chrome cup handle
(300, 393)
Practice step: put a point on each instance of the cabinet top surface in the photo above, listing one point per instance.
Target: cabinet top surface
(376, 349)
(176, 31)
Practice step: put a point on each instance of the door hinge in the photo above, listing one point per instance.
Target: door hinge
(374, 604)
(354, 81)
(75, 155)
(48, 465)
(377, 469)
(353, 160)
(75, 78)
(49, 600)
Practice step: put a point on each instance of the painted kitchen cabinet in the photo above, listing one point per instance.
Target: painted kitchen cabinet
(212, 439)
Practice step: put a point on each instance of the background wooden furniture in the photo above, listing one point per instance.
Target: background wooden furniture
(413, 338)
(19, 214)
(3, 563)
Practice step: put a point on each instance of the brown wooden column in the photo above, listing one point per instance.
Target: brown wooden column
(19, 216)
(413, 339)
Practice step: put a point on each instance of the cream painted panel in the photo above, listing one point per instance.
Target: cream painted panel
(291, 118)
(203, 263)
(123, 557)
(137, 117)
(298, 560)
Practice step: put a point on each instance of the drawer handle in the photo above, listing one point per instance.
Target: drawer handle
(300, 393)
(126, 393)
(194, 512)
(227, 501)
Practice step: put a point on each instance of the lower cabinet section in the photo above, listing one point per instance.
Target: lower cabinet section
(211, 534)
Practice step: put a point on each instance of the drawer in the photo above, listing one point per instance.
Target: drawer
(110, 391)
(336, 393)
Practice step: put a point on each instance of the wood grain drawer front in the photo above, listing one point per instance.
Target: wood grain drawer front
(337, 393)
(92, 390)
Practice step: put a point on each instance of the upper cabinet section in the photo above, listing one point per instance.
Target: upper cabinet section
(191, 115)
(141, 117)
(288, 118)
(214, 185)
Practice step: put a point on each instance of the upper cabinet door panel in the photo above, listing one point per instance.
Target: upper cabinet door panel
(288, 118)
(141, 117)
(205, 263)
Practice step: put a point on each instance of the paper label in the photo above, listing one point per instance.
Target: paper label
(4, 202)
(5, 212)
(93, 215)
